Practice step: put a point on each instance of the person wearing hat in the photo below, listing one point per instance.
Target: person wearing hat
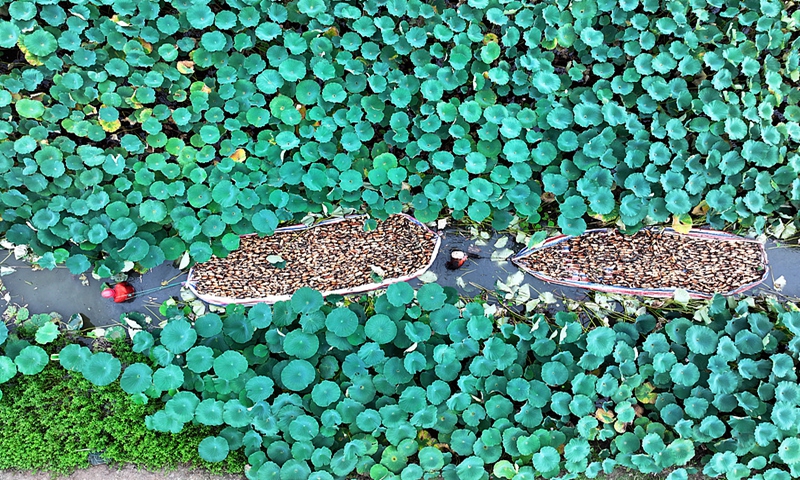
(122, 292)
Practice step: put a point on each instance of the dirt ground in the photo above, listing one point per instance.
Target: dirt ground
(104, 472)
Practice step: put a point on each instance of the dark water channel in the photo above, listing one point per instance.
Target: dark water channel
(57, 290)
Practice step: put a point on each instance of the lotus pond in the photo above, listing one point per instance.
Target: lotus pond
(138, 133)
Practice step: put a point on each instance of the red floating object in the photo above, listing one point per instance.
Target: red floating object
(122, 292)
(457, 259)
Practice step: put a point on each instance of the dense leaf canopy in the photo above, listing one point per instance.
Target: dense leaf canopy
(543, 397)
(143, 130)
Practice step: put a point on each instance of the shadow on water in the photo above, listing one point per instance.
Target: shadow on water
(57, 290)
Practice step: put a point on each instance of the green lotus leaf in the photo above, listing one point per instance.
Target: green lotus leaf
(789, 450)
(213, 449)
(230, 365)
(210, 134)
(73, 357)
(381, 329)
(40, 42)
(627, 442)
(479, 211)
(788, 392)
(681, 451)
(235, 414)
(200, 359)
(178, 336)
(208, 325)
(7, 369)
(601, 341)
(472, 468)
(571, 226)
(306, 300)
(136, 378)
(101, 369)
(265, 222)
(490, 52)
(259, 388)
(209, 412)
(168, 378)
(301, 345)
(304, 428)
(546, 83)
(78, 264)
(31, 360)
(29, 108)
(325, 393)
(342, 322)
(213, 41)
(554, 373)
(46, 333)
(685, 374)
(260, 315)
(701, 339)
(350, 181)
(400, 294)
(431, 296)
(479, 189)
(712, 426)
(298, 375)
(678, 202)
(546, 460)
(9, 34)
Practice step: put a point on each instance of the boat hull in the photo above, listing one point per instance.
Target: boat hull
(191, 282)
(578, 282)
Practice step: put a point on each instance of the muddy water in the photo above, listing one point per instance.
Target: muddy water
(481, 270)
(59, 291)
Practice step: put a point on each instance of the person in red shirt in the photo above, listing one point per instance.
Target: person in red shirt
(122, 292)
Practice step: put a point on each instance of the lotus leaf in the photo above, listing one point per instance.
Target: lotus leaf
(168, 378)
(72, 357)
(601, 341)
(400, 294)
(46, 333)
(554, 373)
(136, 378)
(7, 369)
(178, 336)
(306, 300)
(213, 449)
(701, 339)
(31, 360)
(298, 375)
(101, 369)
(381, 329)
(342, 322)
(230, 365)
(208, 325)
(200, 359)
(300, 344)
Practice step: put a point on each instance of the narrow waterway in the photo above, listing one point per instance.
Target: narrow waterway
(57, 290)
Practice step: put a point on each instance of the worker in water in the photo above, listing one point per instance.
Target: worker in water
(122, 292)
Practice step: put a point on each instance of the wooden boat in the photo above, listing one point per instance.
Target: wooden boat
(568, 267)
(308, 266)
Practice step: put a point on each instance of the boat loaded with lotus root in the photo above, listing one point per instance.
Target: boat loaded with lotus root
(654, 262)
(338, 256)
